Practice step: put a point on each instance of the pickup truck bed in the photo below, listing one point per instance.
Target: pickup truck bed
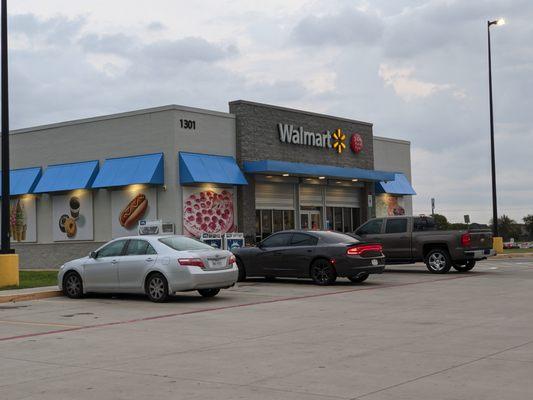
(412, 239)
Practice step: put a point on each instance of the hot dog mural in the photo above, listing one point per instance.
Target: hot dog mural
(129, 206)
(72, 216)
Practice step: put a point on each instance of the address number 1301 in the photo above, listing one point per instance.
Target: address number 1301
(188, 124)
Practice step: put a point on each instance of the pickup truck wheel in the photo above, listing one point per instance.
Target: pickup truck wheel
(466, 267)
(438, 261)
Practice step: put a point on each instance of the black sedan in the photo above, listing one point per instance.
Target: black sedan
(320, 255)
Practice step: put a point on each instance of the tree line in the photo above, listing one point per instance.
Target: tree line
(507, 227)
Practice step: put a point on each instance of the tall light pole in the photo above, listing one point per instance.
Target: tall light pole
(5, 242)
(500, 21)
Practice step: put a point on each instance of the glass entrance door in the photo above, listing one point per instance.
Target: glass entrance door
(310, 219)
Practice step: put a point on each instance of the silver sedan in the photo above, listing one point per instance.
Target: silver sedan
(155, 265)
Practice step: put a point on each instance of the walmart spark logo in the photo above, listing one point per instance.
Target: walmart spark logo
(338, 141)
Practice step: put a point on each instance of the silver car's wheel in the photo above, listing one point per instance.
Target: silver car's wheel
(438, 261)
(72, 285)
(157, 288)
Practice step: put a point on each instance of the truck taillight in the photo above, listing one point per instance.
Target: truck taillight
(466, 239)
(191, 262)
(231, 260)
(360, 249)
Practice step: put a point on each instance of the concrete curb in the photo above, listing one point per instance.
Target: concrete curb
(15, 297)
(514, 255)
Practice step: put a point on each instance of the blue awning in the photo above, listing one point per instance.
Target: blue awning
(314, 170)
(400, 185)
(123, 171)
(22, 181)
(64, 177)
(208, 168)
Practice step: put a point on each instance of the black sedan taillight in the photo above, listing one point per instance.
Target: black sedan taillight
(365, 250)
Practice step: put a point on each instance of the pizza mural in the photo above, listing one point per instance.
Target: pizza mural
(208, 211)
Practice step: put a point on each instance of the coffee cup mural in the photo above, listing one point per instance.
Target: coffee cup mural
(74, 207)
(73, 216)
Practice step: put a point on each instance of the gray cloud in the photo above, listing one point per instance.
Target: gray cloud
(348, 26)
(417, 69)
(57, 30)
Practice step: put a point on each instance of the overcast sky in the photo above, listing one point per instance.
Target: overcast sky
(416, 69)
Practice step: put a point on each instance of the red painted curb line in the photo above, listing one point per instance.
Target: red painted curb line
(202, 310)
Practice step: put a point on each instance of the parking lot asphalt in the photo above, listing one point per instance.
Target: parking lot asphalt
(406, 334)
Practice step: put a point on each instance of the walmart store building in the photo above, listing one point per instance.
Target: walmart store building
(257, 169)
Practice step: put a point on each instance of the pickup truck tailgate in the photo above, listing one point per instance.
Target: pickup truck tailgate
(481, 240)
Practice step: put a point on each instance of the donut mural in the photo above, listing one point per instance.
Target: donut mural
(72, 216)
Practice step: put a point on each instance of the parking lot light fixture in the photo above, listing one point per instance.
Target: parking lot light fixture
(497, 22)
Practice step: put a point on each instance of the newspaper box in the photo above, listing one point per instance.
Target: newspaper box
(212, 239)
(233, 240)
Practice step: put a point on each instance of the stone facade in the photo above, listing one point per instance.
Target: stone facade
(258, 138)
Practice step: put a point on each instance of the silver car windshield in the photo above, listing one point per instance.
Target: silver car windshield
(181, 243)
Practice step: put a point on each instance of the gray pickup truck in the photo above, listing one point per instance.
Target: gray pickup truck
(411, 239)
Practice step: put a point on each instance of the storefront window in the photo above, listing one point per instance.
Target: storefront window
(356, 218)
(270, 221)
(278, 220)
(257, 224)
(342, 219)
(288, 219)
(266, 223)
(347, 220)
(329, 218)
(337, 214)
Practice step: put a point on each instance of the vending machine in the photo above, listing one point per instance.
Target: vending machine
(212, 239)
(233, 240)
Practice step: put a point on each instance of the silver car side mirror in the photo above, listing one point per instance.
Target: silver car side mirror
(93, 254)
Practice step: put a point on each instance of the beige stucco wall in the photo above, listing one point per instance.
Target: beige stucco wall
(394, 155)
(140, 132)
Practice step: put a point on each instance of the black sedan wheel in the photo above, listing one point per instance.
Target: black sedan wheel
(157, 288)
(73, 285)
(323, 273)
(242, 270)
(466, 267)
(438, 261)
(359, 278)
(209, 292)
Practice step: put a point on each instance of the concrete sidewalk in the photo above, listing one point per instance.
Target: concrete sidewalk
(14, 295)
(514, 255)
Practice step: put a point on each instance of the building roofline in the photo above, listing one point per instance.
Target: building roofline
(314, 114)
(393, 140)
(151, 110)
